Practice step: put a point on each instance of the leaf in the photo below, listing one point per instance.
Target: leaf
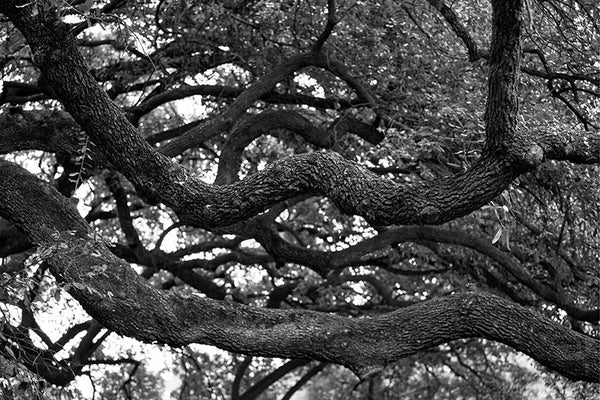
(497, 236)
(85, 7)
(10, 352)
(506, 239)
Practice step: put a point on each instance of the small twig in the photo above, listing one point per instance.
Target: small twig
(126, 384)
(239, 375)
(84, 151)
(164, 234)
(331, 22)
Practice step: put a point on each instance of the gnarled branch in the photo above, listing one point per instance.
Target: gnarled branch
(122, 301)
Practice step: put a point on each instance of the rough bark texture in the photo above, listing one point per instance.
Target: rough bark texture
(51, 131)
(113, 294)
(121, 300)
(505, 61)
(351, 187)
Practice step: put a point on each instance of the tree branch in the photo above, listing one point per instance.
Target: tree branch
(475, 54)
(266, 122)
(157, 178)
(458, 28)
(223, 122)
(575, 146)
(239, 375)
(42, 362)
(331, 22)
(302, 381)
(259, 387)
(112, 293)
(361, 254)
(52, 131)
(505, 61)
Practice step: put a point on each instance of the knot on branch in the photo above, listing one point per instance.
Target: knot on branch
(430, 215)
(530, 156)
(469, 302)
(534, 155)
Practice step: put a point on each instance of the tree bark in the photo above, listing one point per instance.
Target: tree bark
(112, 293)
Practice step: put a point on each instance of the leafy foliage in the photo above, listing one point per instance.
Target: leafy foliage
(173, 65)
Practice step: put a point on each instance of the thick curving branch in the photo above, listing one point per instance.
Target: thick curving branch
(112, 293)
(253, 126)
(157, 178)
(351, 187)
(52, 131)
(56, 131)
(117, 297)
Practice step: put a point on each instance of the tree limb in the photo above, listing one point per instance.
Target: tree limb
(157, 178)
(331, 22)
(52, 131)
(112, 293)
(502, 104)
(302, 381)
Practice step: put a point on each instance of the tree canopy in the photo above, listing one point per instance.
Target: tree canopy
(398, 199)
